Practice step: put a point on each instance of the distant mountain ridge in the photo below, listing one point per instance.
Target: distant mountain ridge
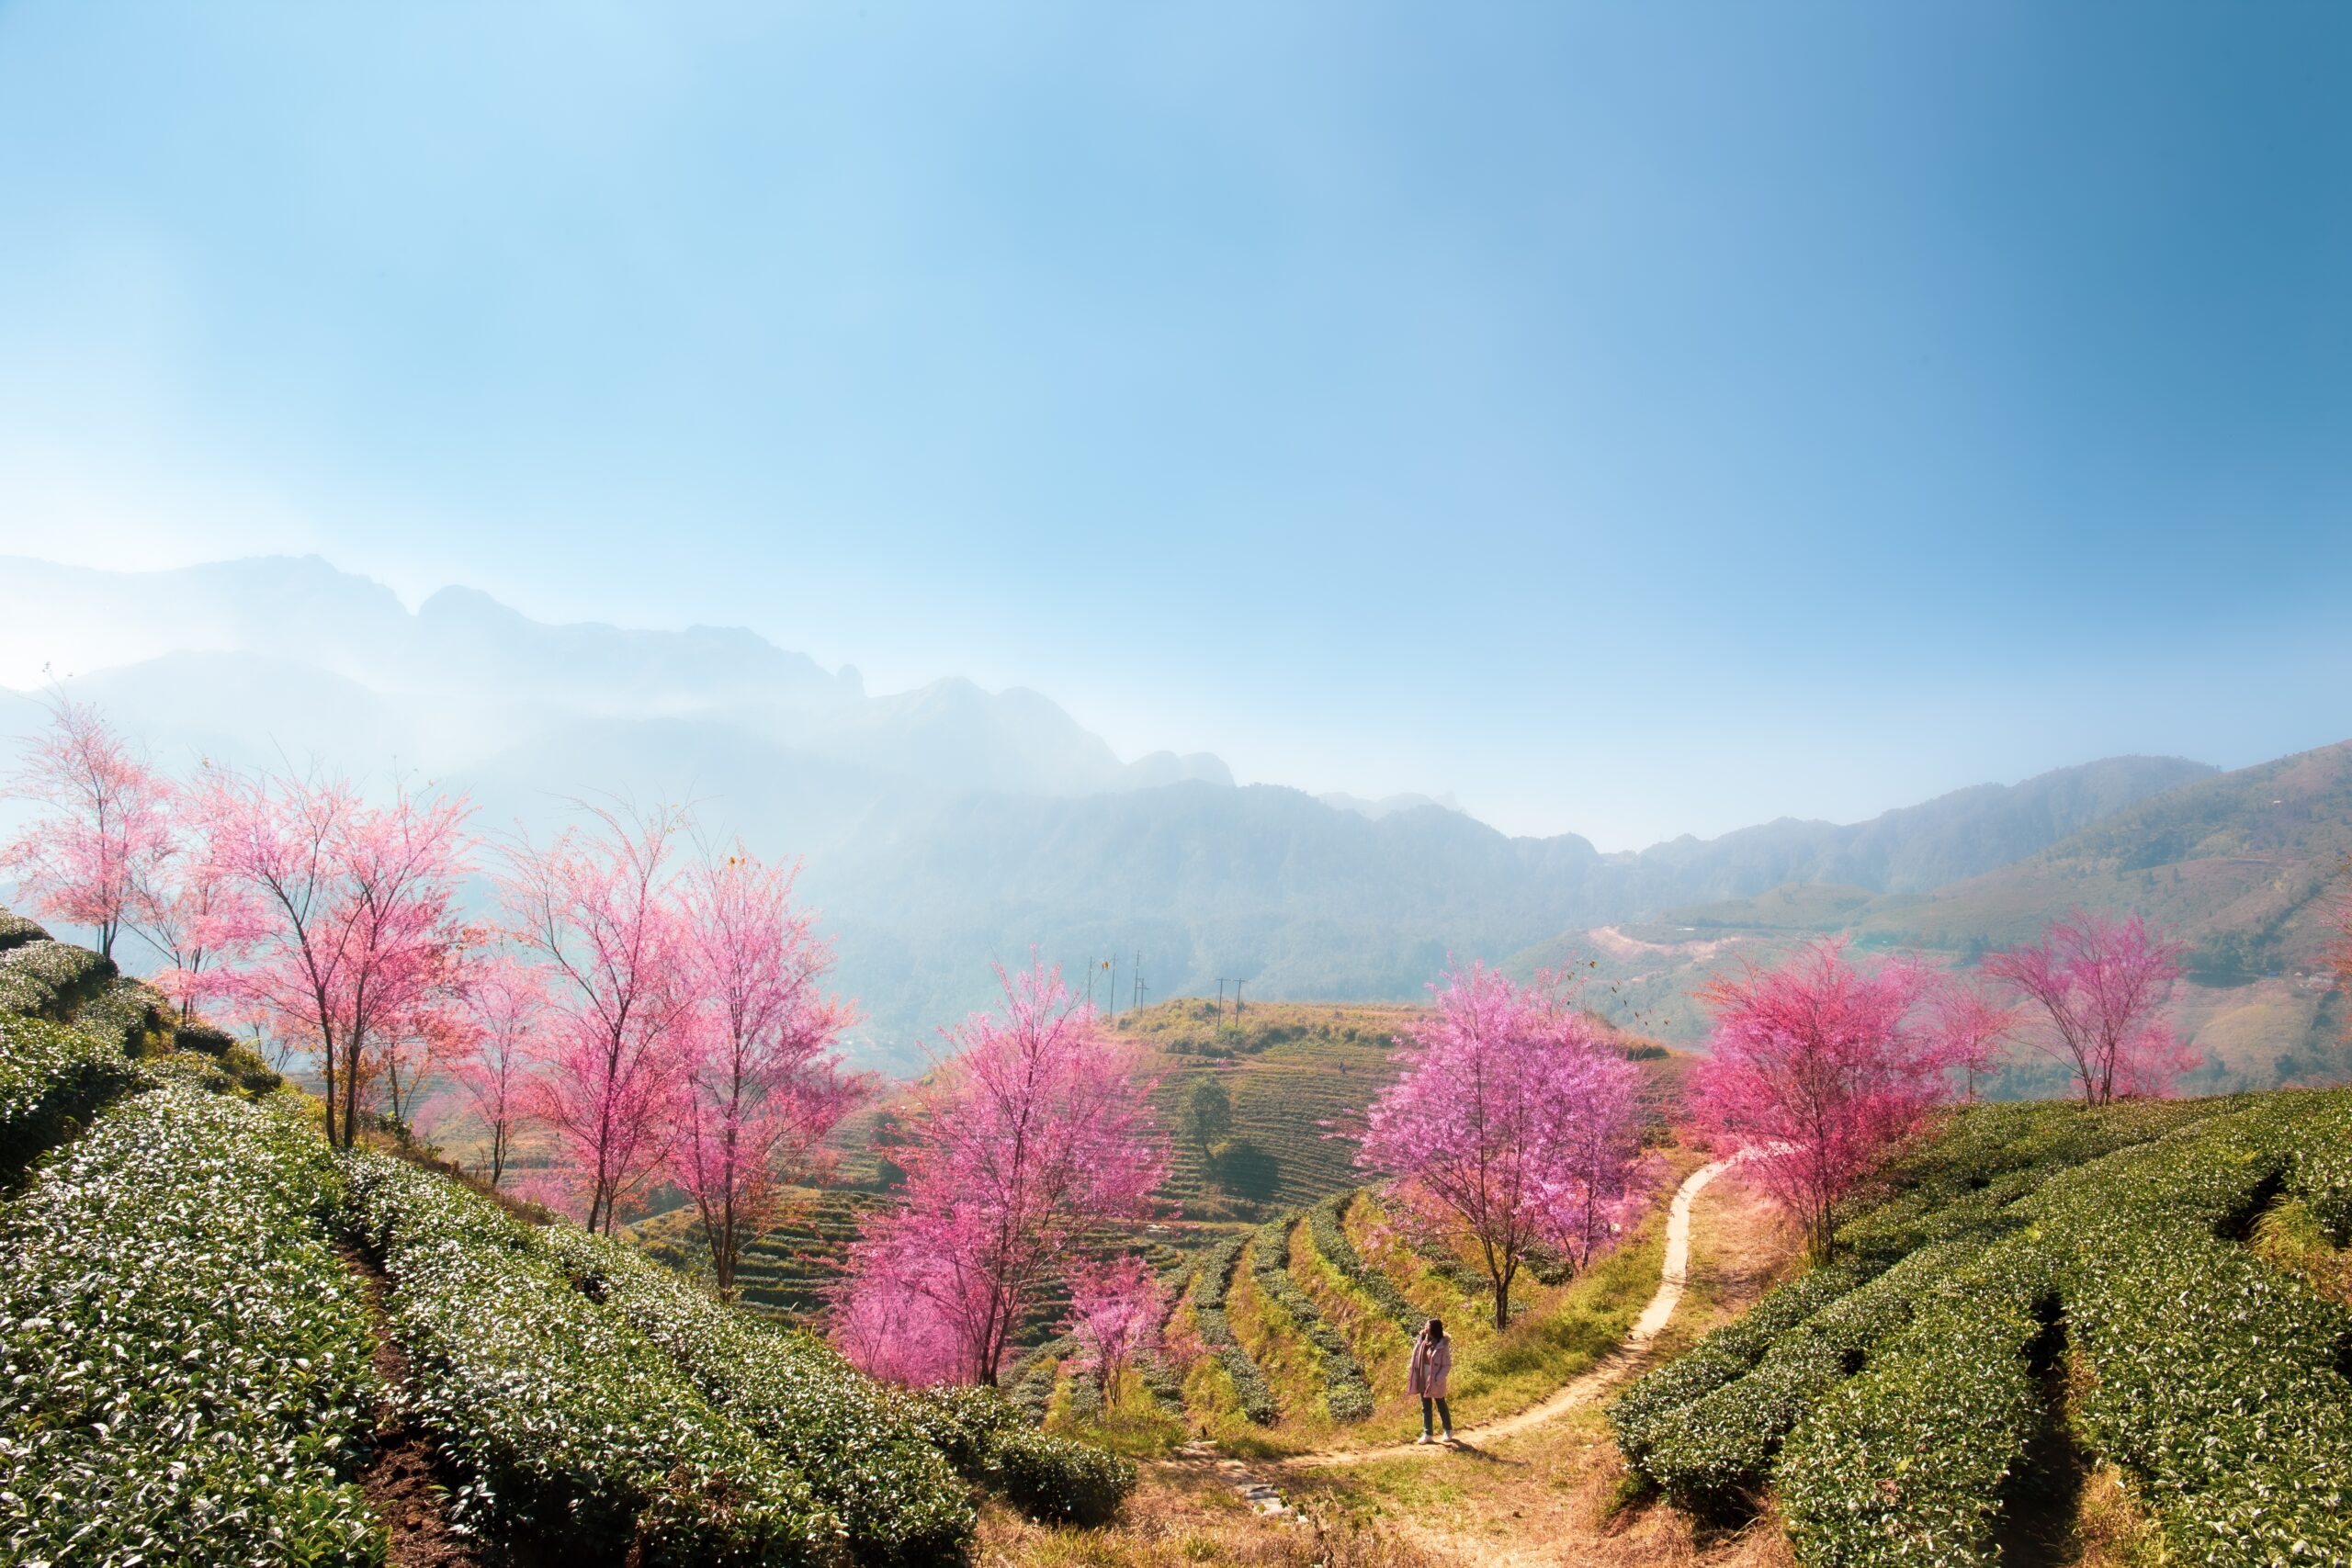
(2237, 867)
(949, 826)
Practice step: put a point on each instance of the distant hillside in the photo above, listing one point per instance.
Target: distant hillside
(2236, 865)
(943, 829)
(1302, 900)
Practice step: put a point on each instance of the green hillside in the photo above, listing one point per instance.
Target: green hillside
(2151, 1294)
(2237, 867)
(223, 1342)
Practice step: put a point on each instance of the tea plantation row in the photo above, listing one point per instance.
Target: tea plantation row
(1890, 1400)
(188, 1349)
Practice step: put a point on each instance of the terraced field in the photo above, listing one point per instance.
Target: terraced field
(223, 1342)
(2153, 1295)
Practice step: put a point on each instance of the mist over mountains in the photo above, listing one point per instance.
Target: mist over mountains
(942, 828)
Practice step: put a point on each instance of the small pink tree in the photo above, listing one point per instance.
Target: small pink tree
(1511, 1126)
(597, 909)
(2101, 986)
(1972, 1025)
(764, 1083)
(1117, 1309)
(105, 823)
(1033, 1131)
(1817, 1068)
(506, 1007)
(357, 945)
(192, 908)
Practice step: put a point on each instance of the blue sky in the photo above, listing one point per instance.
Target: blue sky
(1632, 418)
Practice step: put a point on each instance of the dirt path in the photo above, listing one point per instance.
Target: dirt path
(402, 1476)
(1673, 1276)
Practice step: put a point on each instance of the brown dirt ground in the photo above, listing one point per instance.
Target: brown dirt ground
(402, 1478)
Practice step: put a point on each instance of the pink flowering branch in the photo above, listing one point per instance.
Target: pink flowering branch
(104, 823)
(2101, 986)
(1817, 1070)
(1511, 1126)
(1032, 1131)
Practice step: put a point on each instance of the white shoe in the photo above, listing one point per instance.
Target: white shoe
(1424, 1438)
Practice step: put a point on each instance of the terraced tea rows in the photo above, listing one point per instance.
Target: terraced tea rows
(2030, 1240)
(193, 1360)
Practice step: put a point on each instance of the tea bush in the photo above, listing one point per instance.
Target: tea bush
(2214, 1381)
(16, 930)
(861, 1449)
(991, 1444)
(568, 1424)
(186, 1371)
(1325, 1224)
(1209, 1284)
(50, 1077)
(1346, 1390)
(49, 979)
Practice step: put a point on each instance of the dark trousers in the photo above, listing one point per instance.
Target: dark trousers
(1442, 1415)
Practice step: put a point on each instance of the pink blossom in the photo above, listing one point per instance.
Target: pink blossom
(595, 908)
(105, 823)
(763, 1083)
(1117, 1309)
(1512, 1127)
(506, 1007)
(1816, 1069)
(1971, 1026)
(1033, 1131)
(357, 945)
(2102, 985)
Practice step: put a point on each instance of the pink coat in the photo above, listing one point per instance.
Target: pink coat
(1432, 1364)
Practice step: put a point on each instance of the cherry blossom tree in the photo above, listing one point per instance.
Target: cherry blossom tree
(1510, 1127)
(105, 820)
(763, 1083)
(357, 942)
(1972, 1025)
(2101, 986)
(191, 907)
(505, 1006)
(1117, 1309)
(596, 908)
(1032, 1131)
(1816, 1069)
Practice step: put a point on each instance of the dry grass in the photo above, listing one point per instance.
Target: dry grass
(1182, 1516)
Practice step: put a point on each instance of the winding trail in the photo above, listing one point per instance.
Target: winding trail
(1673, 1276)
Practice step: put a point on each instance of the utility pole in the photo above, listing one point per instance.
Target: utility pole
(1139, 980)
(1220, 1004)
(1111, 992)
(1236, 1004)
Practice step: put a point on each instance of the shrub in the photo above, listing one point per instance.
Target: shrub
(863, 1453)
(1906, 1463)
(568, 1424)
(16, 930)
(1325, 1224)
(50, 1077)
(1059, 1479)
(206, 1039)
(186, 1370)
(1216, 1332)
(2213, 1382)
(1050, 1478)
(1346, 1390)
(51, 979)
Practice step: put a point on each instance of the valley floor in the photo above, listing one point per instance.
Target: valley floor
(1546, 1493)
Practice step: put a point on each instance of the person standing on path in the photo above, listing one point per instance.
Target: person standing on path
(1432, 1363)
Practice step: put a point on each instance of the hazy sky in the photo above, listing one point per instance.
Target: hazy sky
(1634, 418)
